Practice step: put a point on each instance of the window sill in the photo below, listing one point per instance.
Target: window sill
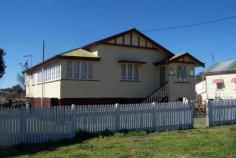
(130, 80)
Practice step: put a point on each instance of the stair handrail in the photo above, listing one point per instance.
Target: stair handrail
(158, 94)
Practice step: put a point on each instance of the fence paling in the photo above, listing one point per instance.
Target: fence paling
(221, 112)
(37, 125)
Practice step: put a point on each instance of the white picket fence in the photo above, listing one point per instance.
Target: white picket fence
(37, 125)
(221, 112)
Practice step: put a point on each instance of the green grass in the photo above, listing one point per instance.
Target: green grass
(203, 142)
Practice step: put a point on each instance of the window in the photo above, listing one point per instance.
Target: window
(220, 85)
(182, 73)
(136, 72)
(84, 68)
(80, 70)
(34, 79)
(49, 73)
(129, 71)
(191, 72)
(69, 69)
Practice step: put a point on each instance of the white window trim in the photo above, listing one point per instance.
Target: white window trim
(74, 63)
(183, 78)
(126, 77)
(50, 73)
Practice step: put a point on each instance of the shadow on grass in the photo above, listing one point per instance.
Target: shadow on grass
(81, 136)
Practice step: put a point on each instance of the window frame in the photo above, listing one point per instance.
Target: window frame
(182, 72)
(130, 72)
(222, 87)
(83, 68)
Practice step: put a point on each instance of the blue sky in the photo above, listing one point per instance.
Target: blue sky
(68, 24)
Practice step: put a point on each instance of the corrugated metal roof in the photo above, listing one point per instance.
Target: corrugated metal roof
(222, 66)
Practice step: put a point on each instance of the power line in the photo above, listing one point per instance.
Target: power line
(190, 25)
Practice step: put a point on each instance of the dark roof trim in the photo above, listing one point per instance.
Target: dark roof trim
(62, 57)
(102, 41)
(192, 57)
(132, 61)
(129, 46)
(80, 58)
(175, 60)
(42, 63)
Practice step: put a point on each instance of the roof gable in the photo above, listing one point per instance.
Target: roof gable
(131, 38)
(182, 58)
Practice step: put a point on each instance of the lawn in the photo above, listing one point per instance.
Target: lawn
(203, 142)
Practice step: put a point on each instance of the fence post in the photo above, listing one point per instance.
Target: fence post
(73, 120)
(117, 117)
(153, 116)
(209, 111)
(191, 104)
(23, 113)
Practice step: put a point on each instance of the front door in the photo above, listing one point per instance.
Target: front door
(162, 75)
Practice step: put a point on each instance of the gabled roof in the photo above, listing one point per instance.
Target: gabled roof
(221, 67)
(176, 57)
(102, 41)
(74, 52)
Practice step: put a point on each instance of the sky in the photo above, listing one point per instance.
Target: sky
(68, 24)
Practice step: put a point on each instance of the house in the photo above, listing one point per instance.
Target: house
(128, 67)
(220, 82)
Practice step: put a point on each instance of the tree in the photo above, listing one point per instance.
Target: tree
(2, 63)
(20, 76)
(200, 77)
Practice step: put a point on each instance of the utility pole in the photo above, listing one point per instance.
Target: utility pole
(43, 51)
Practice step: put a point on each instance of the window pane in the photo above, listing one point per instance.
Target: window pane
(84, 70)
(135, 71)
(220, 85)
(69, 69)
(59, 71)
(123, 71)
(130, 71)
(76, 70)
(184, 73)
(179, 72)
(90, 70)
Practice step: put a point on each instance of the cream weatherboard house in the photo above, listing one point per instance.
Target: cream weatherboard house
(128, 67)
(220, 82)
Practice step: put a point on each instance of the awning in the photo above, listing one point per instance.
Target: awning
(218, 81)
(233, 80)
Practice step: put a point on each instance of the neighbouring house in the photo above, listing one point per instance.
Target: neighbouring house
(128, 67)
(220, 82)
